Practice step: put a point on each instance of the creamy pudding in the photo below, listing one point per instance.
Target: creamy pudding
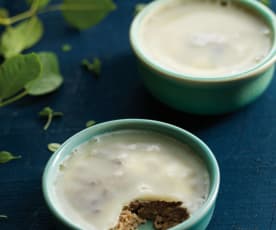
(109, 171)
(205, 37)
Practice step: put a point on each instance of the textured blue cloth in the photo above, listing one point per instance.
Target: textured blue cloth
(243, 142)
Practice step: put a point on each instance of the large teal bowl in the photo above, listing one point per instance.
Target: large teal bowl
(199, 220)
(205, 95)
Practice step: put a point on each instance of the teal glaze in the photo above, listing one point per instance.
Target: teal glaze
(206, 98)
(199, 220)
(205, 95)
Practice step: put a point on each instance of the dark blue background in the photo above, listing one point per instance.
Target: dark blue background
(243, 142)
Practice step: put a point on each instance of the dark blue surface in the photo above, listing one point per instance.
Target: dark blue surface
(243, 142)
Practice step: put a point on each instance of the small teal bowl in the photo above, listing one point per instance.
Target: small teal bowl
(199, 220)
(208, 95)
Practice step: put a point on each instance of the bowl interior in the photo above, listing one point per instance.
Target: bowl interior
(196, 144)
(255, 6)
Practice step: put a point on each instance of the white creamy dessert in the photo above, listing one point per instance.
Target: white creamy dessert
(205, 37)
(111, 170)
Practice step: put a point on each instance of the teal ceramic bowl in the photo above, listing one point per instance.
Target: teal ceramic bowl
(198, 221)
(208, 95)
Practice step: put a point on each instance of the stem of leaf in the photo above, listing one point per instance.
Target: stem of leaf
(22, 16)
(16, 157)
(5, 21)
(13, 99)
(33, 11)
(49, 121)
(35, 5)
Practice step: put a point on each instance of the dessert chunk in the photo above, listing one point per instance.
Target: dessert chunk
(163, 214)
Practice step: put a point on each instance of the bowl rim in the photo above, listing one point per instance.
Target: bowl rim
(266, 13)
(145, 124)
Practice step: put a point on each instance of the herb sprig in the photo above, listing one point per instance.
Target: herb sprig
(94, 67)
(66, 47)
(6, 157)
(49, 113)
(266, 2)
(38, 73)
(90, 123)
(53, 147)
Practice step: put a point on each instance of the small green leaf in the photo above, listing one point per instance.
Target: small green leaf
(39, 4)
(53, 147)
(4, 13)
(90, 123)
(7, 156)
(139, 7)
(94, 67)
(49, 113)
(83, 14)
(3, 216)
(66, 47)
(50, 78)
(20, 37)
(16, 72)
(266, 2)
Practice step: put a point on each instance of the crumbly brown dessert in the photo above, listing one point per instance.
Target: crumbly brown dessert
(128, 221)
(163, 214)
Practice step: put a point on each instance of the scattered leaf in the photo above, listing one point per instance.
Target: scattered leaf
(53, 147)
(49, 114)
(4, 13)
(94, 67)
(16, 72)
(266, 2)
(39, 4)
(50, 78)
(20, 37)
(6, 156)
(66, 47)
(83, 14)
(3, 217)
(139, 7)
(90, 123)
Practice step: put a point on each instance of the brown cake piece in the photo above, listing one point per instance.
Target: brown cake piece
(163, 214)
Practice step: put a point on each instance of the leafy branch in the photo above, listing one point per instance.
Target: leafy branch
(71, 9)
(49, 114)
(37, 74)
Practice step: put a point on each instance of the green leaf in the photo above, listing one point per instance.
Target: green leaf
(266, 2)
(16, 72)
(83, 14)
(94, 67)
(49, 113)
(4, 13)
(39, 4)
(7, 156)
(139, 7)
(50, 78)
(20, 37)
(53, 147)
(90, 123)
(66, 47)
